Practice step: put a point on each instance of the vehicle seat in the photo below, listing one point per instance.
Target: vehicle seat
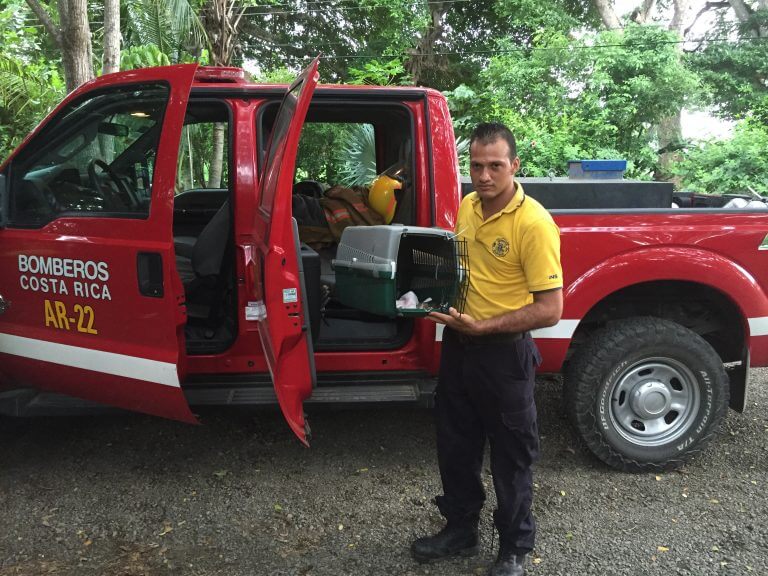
(309, 188)
(202, 268)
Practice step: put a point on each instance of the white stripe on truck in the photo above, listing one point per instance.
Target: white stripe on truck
(94, 360)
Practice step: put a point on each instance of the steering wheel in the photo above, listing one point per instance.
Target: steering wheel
(122, 188)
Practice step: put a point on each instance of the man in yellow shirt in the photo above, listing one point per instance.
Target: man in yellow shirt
(488, 358)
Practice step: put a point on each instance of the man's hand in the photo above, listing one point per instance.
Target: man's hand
(457, 321)
(546, 309)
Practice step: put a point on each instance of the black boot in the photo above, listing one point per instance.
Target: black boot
(456, 539)
(508, 564)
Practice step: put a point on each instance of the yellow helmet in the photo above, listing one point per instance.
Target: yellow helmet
(381, 196)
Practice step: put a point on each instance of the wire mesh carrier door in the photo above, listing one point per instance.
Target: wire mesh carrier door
(376, 266)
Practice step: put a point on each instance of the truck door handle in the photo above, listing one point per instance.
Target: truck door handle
(149, 270)
(4, 304)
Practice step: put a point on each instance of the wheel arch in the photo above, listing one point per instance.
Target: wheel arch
(701, 290)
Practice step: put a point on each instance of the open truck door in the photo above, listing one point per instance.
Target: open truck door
(93, 306)
(279, 296)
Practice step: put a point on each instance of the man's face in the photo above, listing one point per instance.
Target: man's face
(491, 169)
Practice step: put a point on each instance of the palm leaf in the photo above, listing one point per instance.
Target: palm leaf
(20, 88)
(171, 26)
(12, 82)
(358, 157)
(186, 25)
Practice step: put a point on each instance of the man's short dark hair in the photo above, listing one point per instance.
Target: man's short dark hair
(488, 132)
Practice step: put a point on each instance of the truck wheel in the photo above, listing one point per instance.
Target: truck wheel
(646, 394)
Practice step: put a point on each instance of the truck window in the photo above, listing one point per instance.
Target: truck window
(337, 153)
(203, 157)
(96, 157)
(348, 146)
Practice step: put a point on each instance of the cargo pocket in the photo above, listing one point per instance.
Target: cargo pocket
(535, 352)
(520, 420)
(523, 434)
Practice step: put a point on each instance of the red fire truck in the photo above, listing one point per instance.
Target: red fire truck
(134, 277)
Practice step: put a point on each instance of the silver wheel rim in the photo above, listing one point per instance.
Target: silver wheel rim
(654, 401)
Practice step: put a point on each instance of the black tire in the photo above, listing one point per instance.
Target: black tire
(646, 394)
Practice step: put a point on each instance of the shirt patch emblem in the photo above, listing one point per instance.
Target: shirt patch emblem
(500, 247)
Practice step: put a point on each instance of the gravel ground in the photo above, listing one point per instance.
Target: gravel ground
(129, 495)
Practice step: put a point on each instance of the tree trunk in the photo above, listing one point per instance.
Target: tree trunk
(222, 21)
(111, 58)
(744, 12)
(607, 14)
(45, 18)
(641, 13)
(681, 7)
(670, 134)
(76, 54)
(670, 130)
(217, 157)
(423, 59)
(73, 38)
(741, 9)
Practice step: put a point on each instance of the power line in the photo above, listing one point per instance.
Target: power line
(321, 7)
(489, 52)
(256, 10)
(494, 52)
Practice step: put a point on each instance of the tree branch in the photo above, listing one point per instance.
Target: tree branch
(640, 14)
(744, 13)
(681, 7)
(607, 14)
(47, 21)
(706, 8)
(741, 9)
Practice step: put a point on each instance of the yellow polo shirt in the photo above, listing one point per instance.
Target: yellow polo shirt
(512, 254)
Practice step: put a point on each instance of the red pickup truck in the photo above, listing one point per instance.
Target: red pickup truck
(150, 262)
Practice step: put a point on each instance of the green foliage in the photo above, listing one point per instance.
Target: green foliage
(336, 153)
(594, 97)
(567, 90)
(380, 73)
(357, 157)
(283, 33)
(373, 35)
(734, 72)
(728, 166)
(196, 155)
(277, 76)
(27, 93)
(171, 26)
(30, 83)
(142, 57)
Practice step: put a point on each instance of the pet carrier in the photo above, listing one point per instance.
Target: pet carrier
(377, 265)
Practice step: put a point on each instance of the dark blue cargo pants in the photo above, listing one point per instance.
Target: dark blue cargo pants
(485, 390)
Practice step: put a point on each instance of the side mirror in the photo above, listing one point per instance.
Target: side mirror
(3, 201)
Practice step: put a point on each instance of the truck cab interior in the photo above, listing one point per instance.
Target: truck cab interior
(346, 146)
(203, 228)
(342, 146)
